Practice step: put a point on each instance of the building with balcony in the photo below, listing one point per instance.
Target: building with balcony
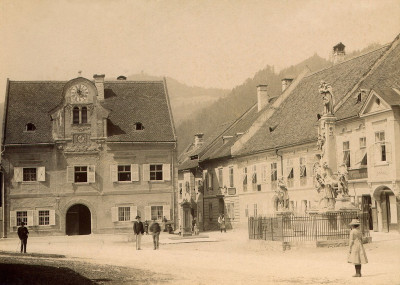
(276, 143)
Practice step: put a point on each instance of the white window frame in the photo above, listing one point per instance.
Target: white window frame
(157, 209)
(122, 170)
(124, 214)
(21, 218)
(230, 210)
(40, 174)
(44, 219)
(381, 143)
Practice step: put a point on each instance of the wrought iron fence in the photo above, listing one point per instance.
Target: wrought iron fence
(315, 227)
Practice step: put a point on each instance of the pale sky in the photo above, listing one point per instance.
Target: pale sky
(213, 43)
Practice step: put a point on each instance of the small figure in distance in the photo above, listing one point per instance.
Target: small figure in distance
(138, 230)
(23, 236)
(155, 230)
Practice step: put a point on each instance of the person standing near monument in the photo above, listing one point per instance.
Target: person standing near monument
(138, 230)
(357, 254)
(23, 236)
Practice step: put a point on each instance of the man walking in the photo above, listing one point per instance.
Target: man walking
(155, 230)
(23, 236)
(138, 230)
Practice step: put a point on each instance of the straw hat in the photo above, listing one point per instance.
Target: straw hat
(354, 222)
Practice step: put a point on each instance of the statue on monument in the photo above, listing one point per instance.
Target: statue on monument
(281, 199)
(325, 185)
(343, 188)
(327, 97)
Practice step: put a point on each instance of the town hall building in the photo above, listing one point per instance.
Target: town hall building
(87, 156)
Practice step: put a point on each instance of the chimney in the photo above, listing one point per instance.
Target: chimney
(99, 83)
(121, 77)
(198, 139)
(338, 53)
(285, 83)
(262, 96)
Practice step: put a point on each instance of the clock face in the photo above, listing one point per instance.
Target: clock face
(79, 93)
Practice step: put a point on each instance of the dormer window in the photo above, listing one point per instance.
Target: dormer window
(79, 115)
(139, 126)
(30, 127)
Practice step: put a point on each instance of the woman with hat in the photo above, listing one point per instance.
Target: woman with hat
(357, 254)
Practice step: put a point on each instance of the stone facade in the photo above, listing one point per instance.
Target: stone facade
(82, 180)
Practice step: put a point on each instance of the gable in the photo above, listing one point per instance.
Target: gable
(374, 104)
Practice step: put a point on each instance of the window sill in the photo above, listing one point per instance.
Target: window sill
(381, 163)
(81, 183)
(158, 181)
(29, 182)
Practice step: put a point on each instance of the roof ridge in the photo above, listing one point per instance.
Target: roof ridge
(207, 148)
(375, 64)
(350, 59)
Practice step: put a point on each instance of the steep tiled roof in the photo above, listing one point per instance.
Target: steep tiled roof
(184, 159)
(222, 148)
(128, 101)
(295, 121)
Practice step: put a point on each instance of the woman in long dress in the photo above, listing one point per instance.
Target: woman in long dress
(357, 254)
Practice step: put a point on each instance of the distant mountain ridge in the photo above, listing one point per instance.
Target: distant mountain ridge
(242, 97)
(185, 100)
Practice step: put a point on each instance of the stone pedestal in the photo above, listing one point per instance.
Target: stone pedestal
(186, 219)
(327, 129)
(344, 204)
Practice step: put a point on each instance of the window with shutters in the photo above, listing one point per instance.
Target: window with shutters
(290, 173)
(156, 172)
(124, 214)
(80, 174)
(381, 146)
(22, 216)
(363, 151)
(303, 171)
(231, 182)
(246, 211)
(274, 175)
(255, 210)
(124, 173)
(29, 174)
(157, 212)
(44, 217)
(346, 153)
(254, 177)
(220, 177)
(245, 179)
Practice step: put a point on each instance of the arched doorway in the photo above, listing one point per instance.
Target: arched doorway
(387, 209)
(78, 220)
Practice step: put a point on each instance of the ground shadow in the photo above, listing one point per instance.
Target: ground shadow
(39, 274)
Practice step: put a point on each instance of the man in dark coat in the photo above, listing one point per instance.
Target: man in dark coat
(155, 230)
(23, 236)
(138, 230)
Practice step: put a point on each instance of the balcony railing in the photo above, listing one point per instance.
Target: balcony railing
(360, 173)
